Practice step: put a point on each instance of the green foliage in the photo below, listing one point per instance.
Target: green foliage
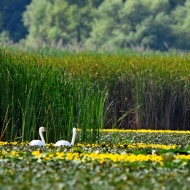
(181, 25)
(132, 23)
(59, 20)
(110, 24)
(107, 22)
(35, 15)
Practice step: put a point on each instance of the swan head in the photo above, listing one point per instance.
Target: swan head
(42, 129)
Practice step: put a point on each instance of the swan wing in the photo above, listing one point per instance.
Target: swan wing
(62, 143)
(36, 143)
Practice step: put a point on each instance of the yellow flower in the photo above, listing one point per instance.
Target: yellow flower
(159, 146)
(181, 156)
(145, 131)
(36, 153)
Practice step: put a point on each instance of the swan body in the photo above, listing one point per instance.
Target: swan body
(66, 143)
(39, 142)
(36, 143)
(62, 143)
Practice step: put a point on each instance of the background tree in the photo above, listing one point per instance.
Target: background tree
(150, 25)
(132, 23)
(37, 18)
(106, 26)
(181, 25)
(58, 20)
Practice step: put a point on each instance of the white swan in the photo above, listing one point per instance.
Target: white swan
(39, 142)
(66, 143)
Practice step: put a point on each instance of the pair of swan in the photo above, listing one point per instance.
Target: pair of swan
(58, 143)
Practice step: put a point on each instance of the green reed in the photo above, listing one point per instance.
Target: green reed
(91, 91)
(36, 93)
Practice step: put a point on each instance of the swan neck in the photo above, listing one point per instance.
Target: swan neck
(41, 136)
(73, 137)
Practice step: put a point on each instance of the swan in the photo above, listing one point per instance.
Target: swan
(39, 142)
(66, 143)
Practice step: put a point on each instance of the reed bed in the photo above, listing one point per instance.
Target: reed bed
(92, 91)
(35, 92)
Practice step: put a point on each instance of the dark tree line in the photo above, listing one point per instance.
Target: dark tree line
(11, 18)
(158, 25)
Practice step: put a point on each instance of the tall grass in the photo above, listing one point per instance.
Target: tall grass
(91, 91)
(152, 88)
(36, 93)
